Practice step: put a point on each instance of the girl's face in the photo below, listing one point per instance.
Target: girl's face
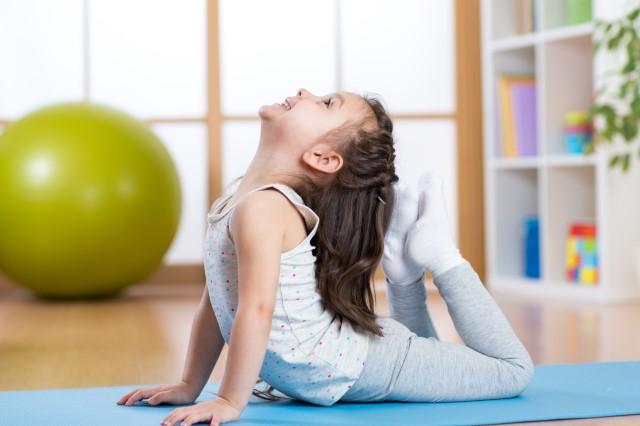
(299, 121)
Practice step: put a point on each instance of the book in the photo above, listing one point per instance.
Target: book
(525, 118)
(505, 82)
(523, 16)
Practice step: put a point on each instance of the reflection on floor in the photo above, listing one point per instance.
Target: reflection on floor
(141, 337)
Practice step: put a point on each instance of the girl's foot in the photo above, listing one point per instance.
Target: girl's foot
(397, 266)
(429, 242)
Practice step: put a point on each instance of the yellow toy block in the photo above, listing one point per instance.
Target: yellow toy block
(588, 275)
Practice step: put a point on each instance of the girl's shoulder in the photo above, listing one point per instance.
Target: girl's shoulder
(289, 202)
(311, 219)
(265, 199)
(284, 199)
(274, 209)
(267, 209)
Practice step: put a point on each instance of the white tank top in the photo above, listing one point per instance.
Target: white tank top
(308, 355)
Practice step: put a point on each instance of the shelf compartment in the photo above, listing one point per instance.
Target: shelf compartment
(564, 90)
(571, 197)
(512, 17)
(516, 199)
(563, 13)
(511, 62)
(516, 61)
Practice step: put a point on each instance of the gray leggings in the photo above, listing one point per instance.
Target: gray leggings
(410, 363)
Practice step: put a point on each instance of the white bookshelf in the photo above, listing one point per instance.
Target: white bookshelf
(558, 187)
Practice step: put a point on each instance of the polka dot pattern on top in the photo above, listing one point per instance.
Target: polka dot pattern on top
(309, 356)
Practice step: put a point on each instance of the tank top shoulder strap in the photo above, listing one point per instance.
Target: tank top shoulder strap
(227, 193)
(311, 219)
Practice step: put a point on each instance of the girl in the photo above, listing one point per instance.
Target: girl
(290, 252)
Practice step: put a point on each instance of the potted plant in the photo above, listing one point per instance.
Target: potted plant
(615, 112)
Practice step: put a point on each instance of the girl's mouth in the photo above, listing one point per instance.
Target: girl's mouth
(286, 105)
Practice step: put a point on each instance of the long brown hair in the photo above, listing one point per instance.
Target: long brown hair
(353, 221)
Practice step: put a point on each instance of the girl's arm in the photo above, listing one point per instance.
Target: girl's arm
(205, 344)
(257, 226)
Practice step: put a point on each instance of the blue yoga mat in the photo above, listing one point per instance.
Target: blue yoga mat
(557, 391)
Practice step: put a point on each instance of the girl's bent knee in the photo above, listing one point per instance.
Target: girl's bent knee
(523, 375)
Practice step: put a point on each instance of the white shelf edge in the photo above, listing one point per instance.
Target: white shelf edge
(567, 32)
(509, 163)
(563, 291)
(547, 289)
(514, 42)
(522, 41)
(560, 160)
(553, 160)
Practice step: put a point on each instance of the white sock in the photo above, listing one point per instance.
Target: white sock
(398, 268)
(429, 242)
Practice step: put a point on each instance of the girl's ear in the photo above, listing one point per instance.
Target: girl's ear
(323, 159)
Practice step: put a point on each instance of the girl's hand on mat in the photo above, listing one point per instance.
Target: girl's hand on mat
(182, 393)
(215, 412)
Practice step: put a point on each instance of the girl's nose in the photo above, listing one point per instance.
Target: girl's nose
(303, 92)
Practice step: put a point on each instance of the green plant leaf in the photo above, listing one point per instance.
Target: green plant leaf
(615, 41)
(624, 88)
(614, 160)
(625, 161)
(634, 14)
(629, 128)
(606, 110)
(635, 104)
(630, 66)
(608, 133)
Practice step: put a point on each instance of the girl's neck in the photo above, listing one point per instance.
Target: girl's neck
(265, 169)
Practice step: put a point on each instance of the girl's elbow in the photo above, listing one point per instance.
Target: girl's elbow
(258, 310)
(266, 310)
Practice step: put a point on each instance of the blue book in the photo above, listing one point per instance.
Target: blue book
(531, 247)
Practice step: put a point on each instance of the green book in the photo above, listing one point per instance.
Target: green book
(579, 11)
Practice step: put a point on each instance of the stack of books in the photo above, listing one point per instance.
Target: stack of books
(518, 115)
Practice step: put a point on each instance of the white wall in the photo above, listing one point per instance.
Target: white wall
(400, 51)
(148, 58)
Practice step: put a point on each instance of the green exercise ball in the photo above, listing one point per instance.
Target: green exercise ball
(90, 201)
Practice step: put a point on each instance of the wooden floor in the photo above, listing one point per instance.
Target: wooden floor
(141, 338)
